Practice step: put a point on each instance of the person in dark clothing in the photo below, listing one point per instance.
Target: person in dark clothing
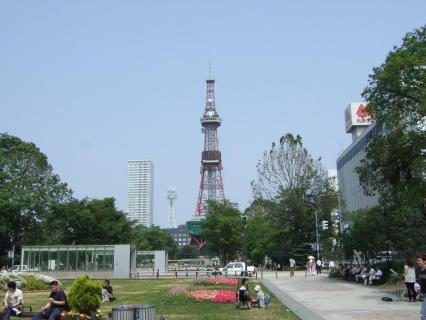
(107, 291)
(421, 275)
(56, 305)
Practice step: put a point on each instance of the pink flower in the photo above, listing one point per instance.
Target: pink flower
(226, 281)
(220, 296)
(224, 296)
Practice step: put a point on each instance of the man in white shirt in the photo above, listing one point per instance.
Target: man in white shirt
(13, 301)
(319, 266)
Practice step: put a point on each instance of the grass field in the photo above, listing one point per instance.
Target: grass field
(156, 292)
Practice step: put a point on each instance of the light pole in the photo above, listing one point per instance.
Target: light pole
(317, 234)
(383, 210)
(245, 242)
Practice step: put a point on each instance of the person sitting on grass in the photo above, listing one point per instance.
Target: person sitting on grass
(107, 292)
(13, 301)
(259, 300)
(56, 305)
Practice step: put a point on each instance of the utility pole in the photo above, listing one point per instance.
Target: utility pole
(317, 234)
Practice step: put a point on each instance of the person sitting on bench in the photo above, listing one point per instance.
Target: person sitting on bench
(107, 292)
(56, 305)
(13, 301)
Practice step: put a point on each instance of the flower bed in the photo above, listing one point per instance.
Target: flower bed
(224, 281)
(219, 296)
(72, 315)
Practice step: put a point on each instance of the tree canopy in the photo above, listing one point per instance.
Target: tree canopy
(395, 162)
(223, 230)
(291, 186)
(29, 189)
(88, 221)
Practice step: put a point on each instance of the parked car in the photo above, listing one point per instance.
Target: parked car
(17, 269)
(237, 268)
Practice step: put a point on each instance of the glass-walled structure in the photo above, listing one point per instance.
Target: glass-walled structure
(69, 258)
(67, 261)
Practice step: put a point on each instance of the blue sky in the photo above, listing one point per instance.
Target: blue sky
(96, 83)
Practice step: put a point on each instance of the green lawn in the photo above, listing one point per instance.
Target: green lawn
(155, 292)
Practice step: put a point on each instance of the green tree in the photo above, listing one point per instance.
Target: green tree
(223, 230)
(291, 186)
(395, 162)
(88, 221)
(187, 252)
(28, 191)
(154, 238)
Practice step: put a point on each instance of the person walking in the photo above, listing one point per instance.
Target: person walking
(319, 266)
(292, 266)
(421, 263)
(410, 279)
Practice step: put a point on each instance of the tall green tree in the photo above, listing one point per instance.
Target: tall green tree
(28, 190)
(223, 230)
(88, 221)
(395, 162)
(291, 187)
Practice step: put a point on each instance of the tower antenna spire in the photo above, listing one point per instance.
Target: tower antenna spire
(210, 66)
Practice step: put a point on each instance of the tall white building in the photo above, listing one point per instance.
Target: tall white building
(363, 130)
(140, 203)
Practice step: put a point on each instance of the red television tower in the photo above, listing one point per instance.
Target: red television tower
(211, 185)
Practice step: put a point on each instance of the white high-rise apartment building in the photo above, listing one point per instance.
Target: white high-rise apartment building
(140, 203)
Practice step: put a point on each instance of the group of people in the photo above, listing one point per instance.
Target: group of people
(246, 300)
(367, 274)
(313, 267)
(13, 301)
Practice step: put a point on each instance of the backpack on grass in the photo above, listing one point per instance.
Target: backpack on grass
(267, 299)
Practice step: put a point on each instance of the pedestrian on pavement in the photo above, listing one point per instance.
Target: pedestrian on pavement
(313, 267)
(292, 266)
(410, 279)
(319, 266)
(421, 275)
(331, 265)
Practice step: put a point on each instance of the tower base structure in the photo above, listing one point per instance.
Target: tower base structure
(195, 231)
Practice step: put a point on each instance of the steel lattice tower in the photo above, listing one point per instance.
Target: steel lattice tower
(211, 185)
(171, 195)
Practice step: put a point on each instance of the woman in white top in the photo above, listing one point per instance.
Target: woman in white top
(410, 279)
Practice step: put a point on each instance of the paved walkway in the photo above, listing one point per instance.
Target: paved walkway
(319, 298)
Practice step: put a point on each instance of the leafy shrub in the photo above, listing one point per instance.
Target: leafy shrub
(35, 283)
(334, 273)
(26, 281)
(85, 295)
(5, 278)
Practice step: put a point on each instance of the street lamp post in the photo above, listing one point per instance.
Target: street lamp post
(317, 234)
(384, 212)
(245, 243)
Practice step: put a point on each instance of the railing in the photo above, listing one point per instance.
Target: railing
(186, 274)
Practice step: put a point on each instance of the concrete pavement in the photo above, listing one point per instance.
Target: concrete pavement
(318, 298)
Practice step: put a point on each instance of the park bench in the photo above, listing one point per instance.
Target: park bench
(27, 312)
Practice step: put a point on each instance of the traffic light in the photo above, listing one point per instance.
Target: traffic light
(324, 225)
